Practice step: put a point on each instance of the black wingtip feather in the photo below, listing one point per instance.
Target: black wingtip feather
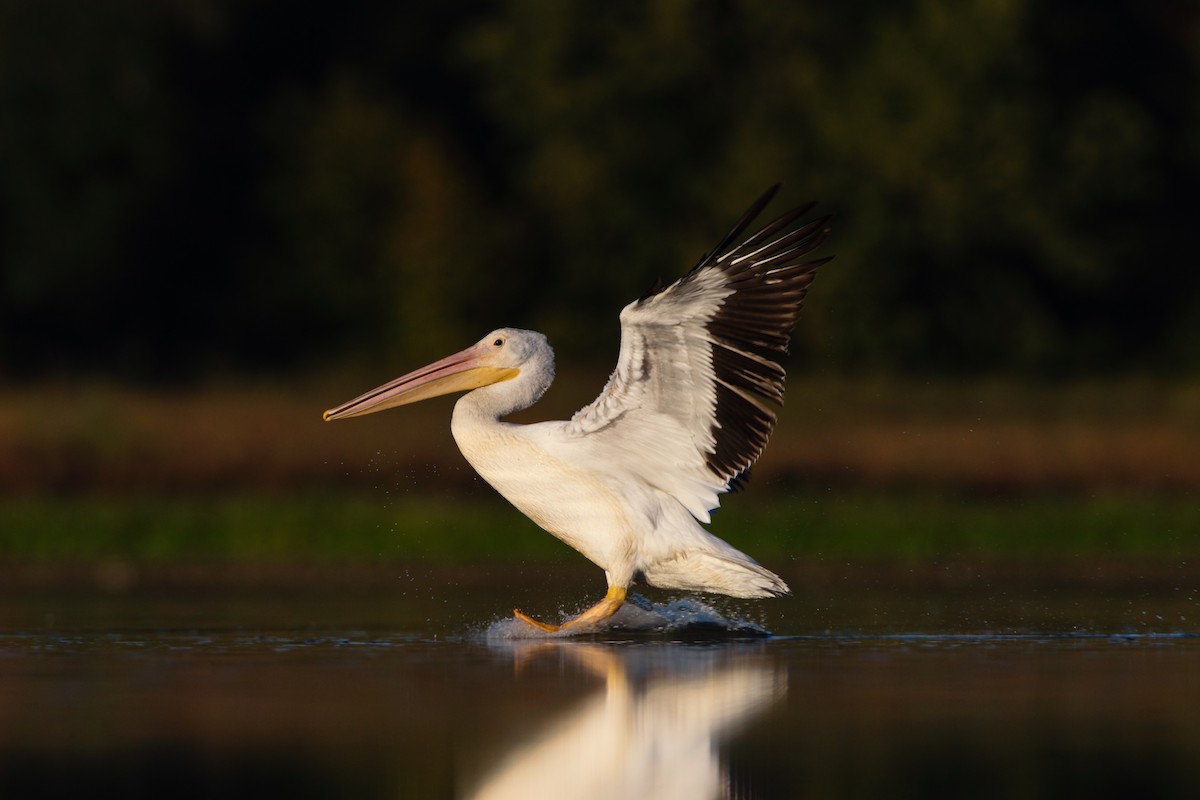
(751, 214)
(654, 289)
(753, 327)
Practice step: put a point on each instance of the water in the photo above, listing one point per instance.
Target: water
(412, 684)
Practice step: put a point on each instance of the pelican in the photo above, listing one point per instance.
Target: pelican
(628, 480)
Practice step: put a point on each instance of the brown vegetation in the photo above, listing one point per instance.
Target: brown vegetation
(996, 437)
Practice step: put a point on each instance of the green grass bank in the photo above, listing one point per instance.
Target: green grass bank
(365, 528)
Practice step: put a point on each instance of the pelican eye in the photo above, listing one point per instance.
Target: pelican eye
(498, 343)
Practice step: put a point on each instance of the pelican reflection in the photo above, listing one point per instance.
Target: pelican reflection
(653, 730)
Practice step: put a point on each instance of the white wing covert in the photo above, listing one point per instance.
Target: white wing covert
(692, 400)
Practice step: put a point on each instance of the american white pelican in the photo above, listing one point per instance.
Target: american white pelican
(628, 479)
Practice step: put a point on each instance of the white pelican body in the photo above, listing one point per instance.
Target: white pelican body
(628, 479)
(584, 489)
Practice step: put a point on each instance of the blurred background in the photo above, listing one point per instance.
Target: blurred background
(218, 218)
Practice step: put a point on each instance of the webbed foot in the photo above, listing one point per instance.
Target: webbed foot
(608, 606)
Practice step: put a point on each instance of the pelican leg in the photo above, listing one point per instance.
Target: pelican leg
(612, 601)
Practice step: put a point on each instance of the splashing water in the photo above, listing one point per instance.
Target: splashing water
(640, 617)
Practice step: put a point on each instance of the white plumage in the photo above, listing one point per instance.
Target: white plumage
(630, 477)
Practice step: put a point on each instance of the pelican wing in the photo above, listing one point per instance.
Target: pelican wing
(693, 398)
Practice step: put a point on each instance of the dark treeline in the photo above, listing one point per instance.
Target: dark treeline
(203, 185)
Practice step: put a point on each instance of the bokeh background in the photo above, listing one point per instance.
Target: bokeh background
(218, 218)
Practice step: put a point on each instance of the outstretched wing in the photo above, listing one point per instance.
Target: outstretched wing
(693, 397)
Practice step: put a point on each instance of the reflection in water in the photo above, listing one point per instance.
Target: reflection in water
(652, 731)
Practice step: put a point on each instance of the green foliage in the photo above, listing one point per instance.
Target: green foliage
(256, 527)
(369, 204)
(362, 528)
(85, 144)
(259, 185)
(928, 526)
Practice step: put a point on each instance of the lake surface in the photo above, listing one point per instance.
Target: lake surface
(958, 682)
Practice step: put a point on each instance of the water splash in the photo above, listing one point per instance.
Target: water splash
(640, 617)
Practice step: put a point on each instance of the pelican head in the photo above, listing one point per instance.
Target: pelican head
(499, 356)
